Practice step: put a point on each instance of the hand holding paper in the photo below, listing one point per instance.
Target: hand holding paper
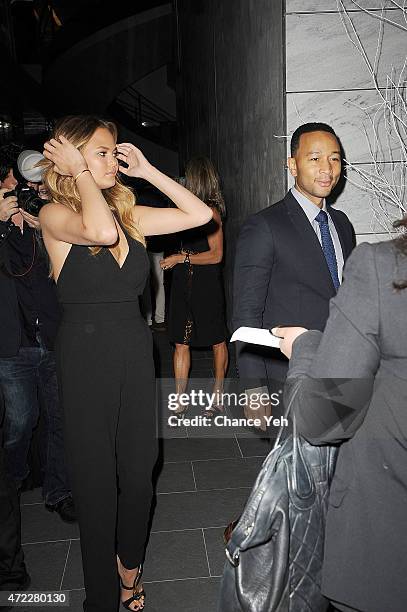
(255, 335)
(288, 335)
(278, 337)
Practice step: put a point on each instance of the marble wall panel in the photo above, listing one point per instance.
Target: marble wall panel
(320, 57)
(372, 238)
(314, 6)
(364, 210)
(343, 110)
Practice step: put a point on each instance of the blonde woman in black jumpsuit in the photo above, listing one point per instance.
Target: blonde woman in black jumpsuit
(94, 234)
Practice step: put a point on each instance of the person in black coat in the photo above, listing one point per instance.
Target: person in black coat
(353, 392)
(289, 261)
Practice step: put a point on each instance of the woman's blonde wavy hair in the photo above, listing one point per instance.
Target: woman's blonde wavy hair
(79, 129)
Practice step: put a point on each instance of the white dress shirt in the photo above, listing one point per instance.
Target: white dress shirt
(312, 210)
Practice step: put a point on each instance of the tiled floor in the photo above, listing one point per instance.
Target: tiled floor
(203, 484)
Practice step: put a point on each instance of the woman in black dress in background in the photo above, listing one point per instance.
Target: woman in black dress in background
(197, 311)
(94, 234)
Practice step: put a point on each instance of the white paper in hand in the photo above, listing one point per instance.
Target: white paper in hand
(255, 335)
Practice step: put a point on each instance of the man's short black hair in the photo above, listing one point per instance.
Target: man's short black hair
(305, 129)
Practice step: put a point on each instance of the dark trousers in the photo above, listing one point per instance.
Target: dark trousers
(107, 384)
(12, 567)
(264, 370)
(28, 381)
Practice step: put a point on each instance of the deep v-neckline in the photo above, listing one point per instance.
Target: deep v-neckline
(120, 266)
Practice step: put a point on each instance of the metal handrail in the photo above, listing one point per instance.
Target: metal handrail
(143, 109)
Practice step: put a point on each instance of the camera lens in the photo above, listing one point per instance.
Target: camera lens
(29, 201)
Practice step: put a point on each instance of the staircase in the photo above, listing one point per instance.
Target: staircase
(140, 115)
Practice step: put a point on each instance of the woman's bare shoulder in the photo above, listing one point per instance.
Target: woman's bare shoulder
(55, 210)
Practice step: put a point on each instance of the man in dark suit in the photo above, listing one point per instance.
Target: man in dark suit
(289, 262)
(290, 256)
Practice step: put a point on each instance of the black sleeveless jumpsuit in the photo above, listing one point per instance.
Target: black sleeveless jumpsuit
(107, 383)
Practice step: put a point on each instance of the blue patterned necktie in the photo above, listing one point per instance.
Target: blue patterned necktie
(328, 247)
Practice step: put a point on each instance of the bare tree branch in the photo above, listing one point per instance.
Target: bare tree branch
(385, 126)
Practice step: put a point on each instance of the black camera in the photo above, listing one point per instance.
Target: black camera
(27, 198)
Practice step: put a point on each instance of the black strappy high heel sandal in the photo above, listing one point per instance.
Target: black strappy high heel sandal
(179, 414)
(136, 595)
(213, 411)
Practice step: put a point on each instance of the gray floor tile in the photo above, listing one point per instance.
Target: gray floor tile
(198, 448)
(175, 555)
(200, 509)
(31, 497)
(73, 577)
(76, 599)
(45, 564)
(226, 473)
(215, 549)
(208, 427)
(39, 525)
(166, 431)
(176, 477)
(170, 555)
(215, 428)
(254, 446)
(75, 604)
(198, 595)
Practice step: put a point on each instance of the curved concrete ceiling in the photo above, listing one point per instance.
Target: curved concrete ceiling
(89, 76)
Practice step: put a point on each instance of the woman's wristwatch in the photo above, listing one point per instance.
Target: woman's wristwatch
(186, 260)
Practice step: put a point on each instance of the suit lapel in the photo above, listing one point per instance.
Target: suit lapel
(339, 228)
(310, 259)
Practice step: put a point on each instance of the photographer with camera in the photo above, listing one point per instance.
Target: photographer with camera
(29, 315)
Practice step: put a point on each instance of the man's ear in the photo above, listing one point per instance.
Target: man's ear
(292, 166)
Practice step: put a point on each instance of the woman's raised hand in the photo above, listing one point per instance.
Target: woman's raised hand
(133, 157)
(67, 159)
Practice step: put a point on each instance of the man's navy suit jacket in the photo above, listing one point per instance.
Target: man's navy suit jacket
(281, 278)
